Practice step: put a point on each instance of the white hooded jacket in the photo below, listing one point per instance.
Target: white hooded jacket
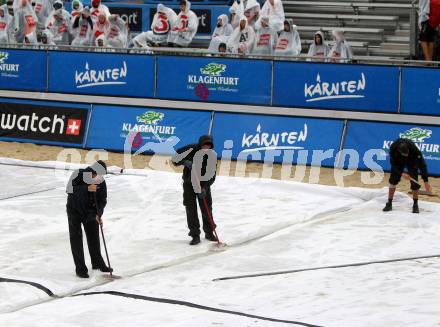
(319, 51)
(42, 9)
(221, 34)
(82, 30)
(275, 14)
(25, 21)
(185, 28)
(6, 25)
(76, 12)
(341, 49)
(289, 43)
(118, 33)
(59, 25)
(251, 12)
(266, 39)
(235, 13)
(242, 38)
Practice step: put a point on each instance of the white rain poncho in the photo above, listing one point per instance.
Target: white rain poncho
(221, 33)
(251, 12)
(242, 38)
(100, 26)
(265, 38)
(98, 8)
(42, 9)
(275, 12)
(25, 21)
(289, 42)
(6, 25)
(319, 50)
(341, 49)
(185, 28)
(236, 13)
(164, 21)
(82, 28)
(59, 25)
(79, 7)
(118, 34)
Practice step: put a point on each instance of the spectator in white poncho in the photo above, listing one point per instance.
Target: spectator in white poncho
(341, 48)
(289, 42)
(221, 33)
(242, 39)
(265, 38)
(275, 11)
(186, 26)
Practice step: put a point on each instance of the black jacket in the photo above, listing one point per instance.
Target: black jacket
(177, 161)
(83, 201)
(414, 160)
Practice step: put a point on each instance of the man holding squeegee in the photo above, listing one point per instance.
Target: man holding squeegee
(405, 154)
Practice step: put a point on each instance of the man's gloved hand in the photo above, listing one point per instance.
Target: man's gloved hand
(188, 164)
(202, 194)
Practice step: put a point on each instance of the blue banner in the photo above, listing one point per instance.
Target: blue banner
(336, 86)
(101, 74)
(214, 79)
(23, 70)
(148, 130)
(376, 138)
(292, 140)
(43, 122)
(420, 91)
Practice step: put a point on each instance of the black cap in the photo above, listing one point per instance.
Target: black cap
(206, 139)
(99, 168)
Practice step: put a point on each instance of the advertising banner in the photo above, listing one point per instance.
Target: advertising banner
(214, 79)
(131, 15)
(151, 130)
(54, 123)
(420, 91)
(336, 86)
(368, 136)
(258, 137)
(101, 74)
(23, 70)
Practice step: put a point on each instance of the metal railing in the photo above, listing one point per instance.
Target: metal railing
(194, 52)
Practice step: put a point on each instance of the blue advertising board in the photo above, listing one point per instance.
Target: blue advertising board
(420, 91)
(259, 137)
(214, 79)
(366, 136)
(147, 130)
(43, 122)
(101, 74)
(23, 70)
(336, 86)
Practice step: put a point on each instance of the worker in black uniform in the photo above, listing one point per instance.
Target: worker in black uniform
(86, 200)
(405, 154)
(199, 160)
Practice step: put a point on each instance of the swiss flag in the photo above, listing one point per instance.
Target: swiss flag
(73, 127)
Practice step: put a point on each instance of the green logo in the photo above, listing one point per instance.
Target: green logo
(3, 56)
(150, 117)
(213, 69)
(416, 134)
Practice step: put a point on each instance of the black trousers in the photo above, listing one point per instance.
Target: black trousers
(396, 173)
(190, 202)
(91, 228)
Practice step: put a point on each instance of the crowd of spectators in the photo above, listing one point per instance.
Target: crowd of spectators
(248, 29)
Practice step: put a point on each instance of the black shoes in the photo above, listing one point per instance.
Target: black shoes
(211, 237)
(103, 268)
(195, 240)
(388, 206)
(82, 274)
(415, 208)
